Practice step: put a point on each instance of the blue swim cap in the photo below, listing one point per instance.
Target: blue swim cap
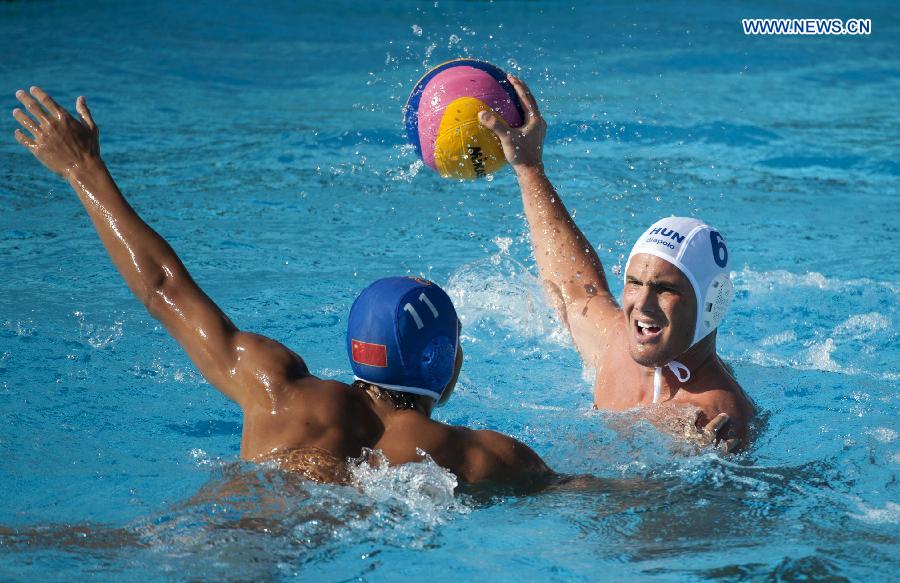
(403, 335)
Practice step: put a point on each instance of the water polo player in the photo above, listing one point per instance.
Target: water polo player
(403, 341)
(660, 345)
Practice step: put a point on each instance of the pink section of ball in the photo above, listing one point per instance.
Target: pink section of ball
(451, 84)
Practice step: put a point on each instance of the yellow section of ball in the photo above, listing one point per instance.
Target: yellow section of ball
(464, 148)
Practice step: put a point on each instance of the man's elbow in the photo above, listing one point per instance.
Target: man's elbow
(157, 290)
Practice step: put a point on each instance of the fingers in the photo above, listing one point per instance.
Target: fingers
(714, 427)
(730, 445)
(47, 101)
(24, 140)
(82, 108)
(26, 122)
(494, 122)
(32, 106)
(525, 96)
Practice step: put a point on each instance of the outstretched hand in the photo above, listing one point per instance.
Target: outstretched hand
(57, 139)
(522, 146)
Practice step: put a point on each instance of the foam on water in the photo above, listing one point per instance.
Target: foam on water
(883, 434)
(404, 503)
(408, 501)
(823, 333)
(778, 280)
(250, 521)
(890, 514)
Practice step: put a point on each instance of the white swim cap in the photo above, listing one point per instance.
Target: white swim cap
(700, 253)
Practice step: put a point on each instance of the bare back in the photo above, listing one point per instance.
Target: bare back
(327, 422)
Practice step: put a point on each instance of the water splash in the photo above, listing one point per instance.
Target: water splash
(202, 459)
(499, 293)
(162, 371)
(863, 326)
(883, 434)
(249, 504)
(21, 328)
(97, 335)
(408, 501)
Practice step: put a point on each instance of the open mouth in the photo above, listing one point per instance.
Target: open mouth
(646, 331)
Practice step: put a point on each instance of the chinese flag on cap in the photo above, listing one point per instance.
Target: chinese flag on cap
(368, 354)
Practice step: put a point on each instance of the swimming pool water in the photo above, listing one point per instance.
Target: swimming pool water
(266, 143)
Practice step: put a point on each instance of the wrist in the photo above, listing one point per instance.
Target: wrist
(85, 170)
(527, 171)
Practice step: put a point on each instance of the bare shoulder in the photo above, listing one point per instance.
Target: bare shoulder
(472, 455)
(257, 370)
(304, 399)
(309, 412)
(330, 400)
(728, 398)
(407, 432)
(493, 456)
(266, 353)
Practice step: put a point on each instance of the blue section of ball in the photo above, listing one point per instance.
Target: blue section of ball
(411, 110)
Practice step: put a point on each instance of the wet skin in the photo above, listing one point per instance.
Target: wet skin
(305, 423)
(655, 323)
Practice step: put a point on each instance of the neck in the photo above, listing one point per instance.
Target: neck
(694, 358)
(700, 354)
(387, 401)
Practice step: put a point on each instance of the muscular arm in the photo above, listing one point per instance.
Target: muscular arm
(568, 264)
(248, 368)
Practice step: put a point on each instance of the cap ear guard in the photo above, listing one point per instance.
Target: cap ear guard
(445, 396)
(438, 360)
(716, 300)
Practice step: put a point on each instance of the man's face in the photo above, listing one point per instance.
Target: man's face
(660, 310)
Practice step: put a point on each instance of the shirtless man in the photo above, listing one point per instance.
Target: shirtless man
(403, 342)
(660, 345)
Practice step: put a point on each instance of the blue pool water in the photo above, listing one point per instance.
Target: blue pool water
(265, 142)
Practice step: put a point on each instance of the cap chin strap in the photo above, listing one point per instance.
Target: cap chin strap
(677, 369)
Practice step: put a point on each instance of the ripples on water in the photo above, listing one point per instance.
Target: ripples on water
(249, 522)
(633, 496)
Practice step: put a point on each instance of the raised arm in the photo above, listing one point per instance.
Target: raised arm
(248, 368)
(568, 264)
